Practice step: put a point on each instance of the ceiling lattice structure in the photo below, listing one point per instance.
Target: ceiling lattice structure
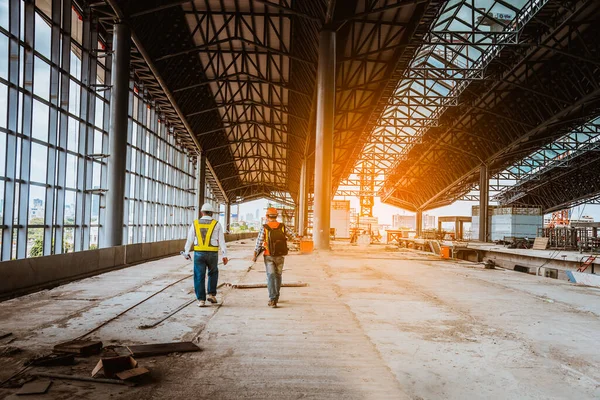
(426, 91)
(243, 76)
(534, 80)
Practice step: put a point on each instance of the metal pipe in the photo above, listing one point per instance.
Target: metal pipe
(201, 183)
(117, 136)
(324, 139)
(302, 199)
(484, 199)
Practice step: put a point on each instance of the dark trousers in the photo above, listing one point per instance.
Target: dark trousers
(204, 260)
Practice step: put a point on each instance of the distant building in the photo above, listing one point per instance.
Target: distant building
(429, 221)
(404, 221)
(257, 214)
(249, 217)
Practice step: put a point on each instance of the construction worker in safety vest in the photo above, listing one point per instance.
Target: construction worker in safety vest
(272, 239)
(207, 236)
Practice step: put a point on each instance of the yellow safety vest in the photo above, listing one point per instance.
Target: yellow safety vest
(203, 234)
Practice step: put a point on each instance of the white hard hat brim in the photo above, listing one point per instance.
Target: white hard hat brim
(207, 208)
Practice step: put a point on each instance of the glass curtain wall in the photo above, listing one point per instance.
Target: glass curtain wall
(54, 117)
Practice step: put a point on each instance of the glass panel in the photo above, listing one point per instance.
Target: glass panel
(74, 97)
(95, 208)
(18, 161)
(42, 36)
(35, 242)
(1, 201)
(3, 106)
(41, 79)
(37, 195)
(39, 129)
(100, 74)
(93, 238)
(68, 240)
(69, 218)
(132, 186)
(71, 170)
(136, 107)
(20, 114)
(99, 117)
(4, 13)
(97, 142)
(76, 26)
(16, 205)
(73, 135)
(76, 62)
(96, 175)
(45, 6)
(131, 206)
(39, 155)
(134, 134)
(3, 55)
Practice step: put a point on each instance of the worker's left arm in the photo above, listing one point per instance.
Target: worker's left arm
(222, 245)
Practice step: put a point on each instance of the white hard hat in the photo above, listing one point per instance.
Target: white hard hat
(206, 207)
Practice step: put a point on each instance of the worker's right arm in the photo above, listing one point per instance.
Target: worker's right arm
(191, 236)
(259, 242)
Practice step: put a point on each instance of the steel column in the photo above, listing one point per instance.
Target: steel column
(118, 136)
(324, 139)
(302, 199)
(227, 217)
(200, 183)
(419, 222)
(484, 197)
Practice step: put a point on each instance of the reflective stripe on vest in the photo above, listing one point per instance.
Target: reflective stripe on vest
(204, 234)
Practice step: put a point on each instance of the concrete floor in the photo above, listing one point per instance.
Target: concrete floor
(373, 324)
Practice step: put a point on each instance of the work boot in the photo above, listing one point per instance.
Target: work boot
(272, 303)
(211, 298)
(201, 303)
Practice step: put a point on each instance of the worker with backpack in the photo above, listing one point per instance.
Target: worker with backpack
(272, 239)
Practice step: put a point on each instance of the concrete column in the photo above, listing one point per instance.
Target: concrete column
(324, 139)
(117, 136)
(302, 199)
(227, 217)
(419, 222)
(484, 199)
(456, 228)
(200, 183)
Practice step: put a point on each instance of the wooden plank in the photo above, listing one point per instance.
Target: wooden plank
(149, 350)
(540, 243)
(132, 373)
(83, 378)
(35, 387)
(80, 347)
(264, 285)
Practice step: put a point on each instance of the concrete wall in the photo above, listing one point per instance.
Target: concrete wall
(28, 275)
(531, 262)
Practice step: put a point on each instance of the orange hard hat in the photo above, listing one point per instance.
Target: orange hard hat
(272, 211)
